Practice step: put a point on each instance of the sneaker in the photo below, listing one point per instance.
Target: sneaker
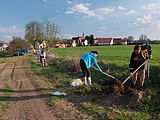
(85, 84)
(90, 86)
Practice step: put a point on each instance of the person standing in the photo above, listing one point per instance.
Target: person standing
(86, 63)
(133, 65)
(146, 53)
(138, 57)
(43, 57)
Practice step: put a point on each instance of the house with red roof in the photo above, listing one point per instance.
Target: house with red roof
(119, 41)
(104, 41)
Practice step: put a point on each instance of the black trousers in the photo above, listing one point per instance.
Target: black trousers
(85, 70)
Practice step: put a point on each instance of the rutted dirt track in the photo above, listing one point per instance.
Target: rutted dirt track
(26, 102)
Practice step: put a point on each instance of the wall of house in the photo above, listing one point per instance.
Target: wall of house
(74, 43)
(103, 43)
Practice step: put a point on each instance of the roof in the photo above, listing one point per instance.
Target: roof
(118, 40)
(104, 40)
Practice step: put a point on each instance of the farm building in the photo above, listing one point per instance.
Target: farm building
(119, 41)
(105, 41)
(3, 46)
(60, 44)
(111, 41)
(78, 41)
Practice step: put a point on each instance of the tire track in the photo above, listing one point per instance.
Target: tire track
(27, 102)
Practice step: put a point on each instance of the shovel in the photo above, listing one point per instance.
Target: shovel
(148, 72)
(135, 71)
(107, 74)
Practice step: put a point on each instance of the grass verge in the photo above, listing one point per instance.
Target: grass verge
(89, 105)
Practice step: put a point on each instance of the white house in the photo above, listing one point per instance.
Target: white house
(3, 46)
(105, 41)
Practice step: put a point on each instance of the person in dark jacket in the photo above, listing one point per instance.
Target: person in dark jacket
(138, 57)
(134, 61)
(86, 62)
(146, 53)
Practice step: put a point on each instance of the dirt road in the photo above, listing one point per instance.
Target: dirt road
(25, 102)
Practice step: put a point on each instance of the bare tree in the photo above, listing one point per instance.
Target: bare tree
(47, 30)
(143, 38)
(16, 44)
(51, 31)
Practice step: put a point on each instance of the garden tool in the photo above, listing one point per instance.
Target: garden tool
(107, 74)
(148, 72)
(135, 71)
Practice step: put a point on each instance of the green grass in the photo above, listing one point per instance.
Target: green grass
(119, 55)
(60, 72)
(115, 58)
(4, 57)
(3, 54)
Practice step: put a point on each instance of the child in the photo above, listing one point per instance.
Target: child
(86, 62)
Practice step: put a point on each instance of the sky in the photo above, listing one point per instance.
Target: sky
(102, 18)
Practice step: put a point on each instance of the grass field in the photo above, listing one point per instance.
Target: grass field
(99, 106)
(118, 56)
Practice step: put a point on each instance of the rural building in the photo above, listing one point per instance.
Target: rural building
(104, 41)
(60, 44)
(78, 41)
(85, 42)
(119, 41)
(74, 43)
(3, 47)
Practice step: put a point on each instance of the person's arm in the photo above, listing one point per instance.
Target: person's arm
(96, 65)
(131, 64)
(149, 52)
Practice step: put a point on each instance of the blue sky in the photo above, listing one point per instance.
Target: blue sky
(102, 18)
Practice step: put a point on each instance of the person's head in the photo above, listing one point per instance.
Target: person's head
(137, 49)
(145, 45)
(95, 53)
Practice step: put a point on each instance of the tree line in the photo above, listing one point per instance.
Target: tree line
(50, 32)
(36, 31)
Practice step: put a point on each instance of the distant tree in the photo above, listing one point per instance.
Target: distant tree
(16, 44)
(34, 32)
(143, 38)
(39, 31)
(52, 32)
(130, 39)
(91, 40)
(87, 38)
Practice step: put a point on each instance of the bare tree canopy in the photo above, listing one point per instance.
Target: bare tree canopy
(17, 44)
(39, 31)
